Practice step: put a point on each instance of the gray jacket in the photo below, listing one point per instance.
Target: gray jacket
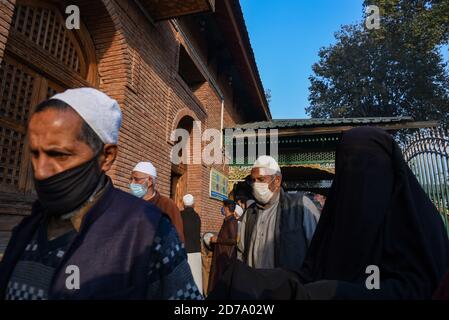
(296, 222)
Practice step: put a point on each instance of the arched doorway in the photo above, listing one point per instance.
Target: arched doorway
(178, 182)
(42, 57)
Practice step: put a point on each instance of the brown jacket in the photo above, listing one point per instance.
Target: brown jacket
(225, 251)
(168, 206)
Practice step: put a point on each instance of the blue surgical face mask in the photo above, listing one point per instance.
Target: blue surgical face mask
(139, 190)
(223, 211)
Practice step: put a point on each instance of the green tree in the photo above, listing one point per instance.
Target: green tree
(268, 95)
(396, 70)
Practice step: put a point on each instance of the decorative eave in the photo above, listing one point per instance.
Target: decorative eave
(169, 9)
(298, 127)
(230, 18)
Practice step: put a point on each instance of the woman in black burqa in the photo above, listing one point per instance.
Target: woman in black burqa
(376, 214)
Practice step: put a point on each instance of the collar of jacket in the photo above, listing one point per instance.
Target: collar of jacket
(254, 210)
(230, 217)
(188, 210)
(155, 197)
(277, 230)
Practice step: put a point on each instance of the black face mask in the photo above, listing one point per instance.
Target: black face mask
(68, 190)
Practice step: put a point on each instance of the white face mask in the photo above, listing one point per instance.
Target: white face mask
(262, 192)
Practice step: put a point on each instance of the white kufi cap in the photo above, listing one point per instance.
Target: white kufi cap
(146, 167)
(268, 164)
(100, 112)
(188, 200)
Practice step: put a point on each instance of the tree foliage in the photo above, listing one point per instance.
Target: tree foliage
(396, 70)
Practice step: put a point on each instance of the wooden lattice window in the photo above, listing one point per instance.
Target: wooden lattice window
(45, 27)
(16, 93)
(53, 89)
(41, 58)
(11, 143)
(20, 89)
(38, 40)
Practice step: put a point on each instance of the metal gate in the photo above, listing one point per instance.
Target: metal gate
(427, 154)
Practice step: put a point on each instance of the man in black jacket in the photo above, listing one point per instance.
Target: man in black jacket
(192, 231)
(276, 230)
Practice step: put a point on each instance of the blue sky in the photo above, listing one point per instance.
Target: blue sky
(286, 36)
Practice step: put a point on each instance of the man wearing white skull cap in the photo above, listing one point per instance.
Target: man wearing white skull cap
(278, 225)
(192, 230)
(143, 185)
(80, 219)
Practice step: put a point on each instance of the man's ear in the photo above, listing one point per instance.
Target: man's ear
(278, 181)
(108, 157)
(150, 182)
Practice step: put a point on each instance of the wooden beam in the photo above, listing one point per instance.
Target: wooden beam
(12, 125)
(247, 60)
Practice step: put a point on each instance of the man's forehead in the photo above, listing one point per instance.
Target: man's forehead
(140, 174)
(55, 125)
(265, 172)
(56, 118)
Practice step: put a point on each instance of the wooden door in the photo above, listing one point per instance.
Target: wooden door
(178, 184)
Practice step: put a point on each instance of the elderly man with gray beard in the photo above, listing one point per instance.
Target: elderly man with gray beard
(276, 230)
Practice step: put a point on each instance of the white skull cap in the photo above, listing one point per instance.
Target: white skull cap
(100, 112)
(146, 167)
(268, 164)
(188, 200)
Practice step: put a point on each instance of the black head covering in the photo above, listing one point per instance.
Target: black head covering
(377, 214)
(243, 191)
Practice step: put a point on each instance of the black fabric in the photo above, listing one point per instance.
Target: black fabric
(442, 293)
(290, 238)
(68, 190)
(192, 230)
(377, 214)
(289, 232)
(240, 282)
(225, 250)
(251, 219)
(322, 290)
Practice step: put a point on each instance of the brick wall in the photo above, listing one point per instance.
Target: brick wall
(154, 98)
(137, 65)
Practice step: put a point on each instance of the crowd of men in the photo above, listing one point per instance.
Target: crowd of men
(272, 244)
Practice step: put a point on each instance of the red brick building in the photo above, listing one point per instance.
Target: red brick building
(168, 63)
